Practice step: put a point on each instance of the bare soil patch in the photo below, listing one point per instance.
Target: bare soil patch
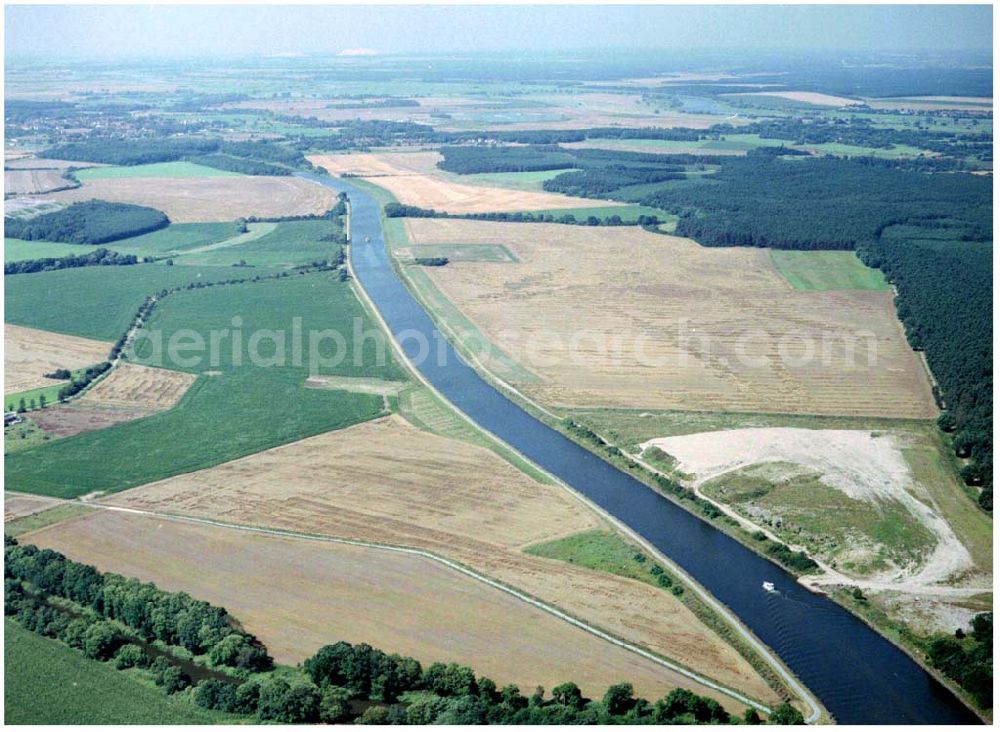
(187, 200)
(66, 420)
(621, 317)
(29, 353)
(412, 179)
(298, 595)
(388, 482)
(361, 385)
(136, 387)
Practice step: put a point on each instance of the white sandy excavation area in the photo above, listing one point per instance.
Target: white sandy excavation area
(863, 466)
(823, 100)
(414, 179)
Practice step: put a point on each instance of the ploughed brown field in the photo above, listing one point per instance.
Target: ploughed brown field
(187, 200)
(30, 353)
(388, 482)
(621, 317)
(414, 179)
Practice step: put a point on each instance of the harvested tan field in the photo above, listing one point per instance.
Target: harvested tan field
(29, 353)
(412, 179)
(31, 162)
(66, 420)
(368, 165)
(627, 318)
(824, 100)
(388, 482)
(22, 182)
(298, 595)
(188, 200)
(137, 387)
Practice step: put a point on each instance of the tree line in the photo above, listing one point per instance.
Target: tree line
(395, 210)
(97, 258)
(88, 222)
(256, 155)
(115, 619)
(968, 660)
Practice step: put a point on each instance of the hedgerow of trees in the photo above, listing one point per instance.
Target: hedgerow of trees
(97, 258)
(88, 222)
(253, 156)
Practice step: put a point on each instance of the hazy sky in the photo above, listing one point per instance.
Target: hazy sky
(150, 30)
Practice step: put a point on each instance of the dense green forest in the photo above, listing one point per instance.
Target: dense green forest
(942, 266)
(88, 222)
(242, 157)
(238, 165)
(599, 182)
(466, 159)
(117, 619)
(96, 258)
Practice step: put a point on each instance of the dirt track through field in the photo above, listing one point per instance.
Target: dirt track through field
(387, 482)
(298, 595)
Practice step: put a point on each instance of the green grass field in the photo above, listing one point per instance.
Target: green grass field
(283, 245)
(526, 181)
(96, 302)
(824, 270)
(601, 550)
(238, 408)
(176, 238)
(467, 252)
(177, 169)
(17, 250)
(47, 682)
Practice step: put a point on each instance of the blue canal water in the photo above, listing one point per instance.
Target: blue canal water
(858, 675)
